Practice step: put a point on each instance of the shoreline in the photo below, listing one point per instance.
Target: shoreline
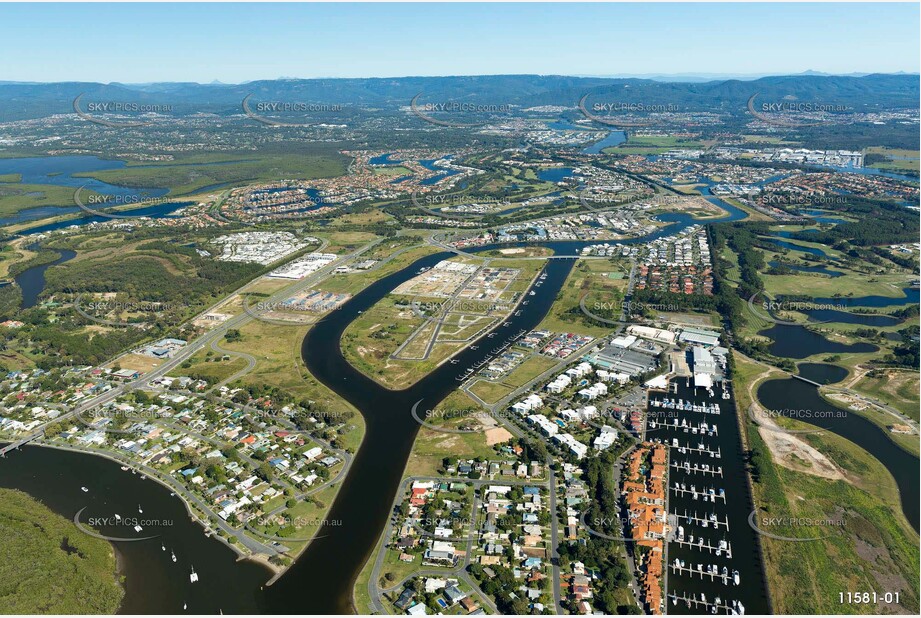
(241, 555)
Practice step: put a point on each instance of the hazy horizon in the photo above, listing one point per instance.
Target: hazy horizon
(238, 43)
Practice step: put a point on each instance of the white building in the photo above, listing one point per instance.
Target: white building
(605, 439)
(575, 447)
(548, 427)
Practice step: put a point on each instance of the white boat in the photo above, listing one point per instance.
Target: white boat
(185, 606)
(162, 547)
(193, 576)
(735, 577)
(173, 555)
(118, 517)
(137, 528)
(124, 468)
(140, 510)
(85, 490)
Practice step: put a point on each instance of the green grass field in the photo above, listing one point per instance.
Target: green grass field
(15, 196)
(188, 175)
(588, 277)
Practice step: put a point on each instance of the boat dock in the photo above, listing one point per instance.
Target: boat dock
(696, 469)
(708, 605)
(710, 570)
(699, 543)
(709, 494)
(705, 522)
(700, 448)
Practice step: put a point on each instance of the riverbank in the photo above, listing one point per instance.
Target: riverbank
(176, 491)
(49, 567)
(853, 518)
(156, 562)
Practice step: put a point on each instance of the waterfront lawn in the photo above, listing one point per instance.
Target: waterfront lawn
(432, 446)
(588, 277)
(15, 196)
(278, 365)
(868, 543)
(851, 284)
(304, 519)
(653, 144)
(370, 339)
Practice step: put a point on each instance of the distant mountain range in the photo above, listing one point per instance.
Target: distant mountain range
(20, 100)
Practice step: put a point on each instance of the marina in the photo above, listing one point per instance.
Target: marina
(710, 548)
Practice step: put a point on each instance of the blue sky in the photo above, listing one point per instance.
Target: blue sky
(242, 42)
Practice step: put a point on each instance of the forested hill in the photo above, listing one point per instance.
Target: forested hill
(865, 93)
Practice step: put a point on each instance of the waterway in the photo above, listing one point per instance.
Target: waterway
(363, 504)
(795, 341)
(31, 281)
(778, 395)
(786, 244)
(154, 584)
(613, 138)
(322, 579)
(60, 171)
(735, 509)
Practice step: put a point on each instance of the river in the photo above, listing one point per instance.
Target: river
(902, 465)
(322, 579)
(154, 584)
